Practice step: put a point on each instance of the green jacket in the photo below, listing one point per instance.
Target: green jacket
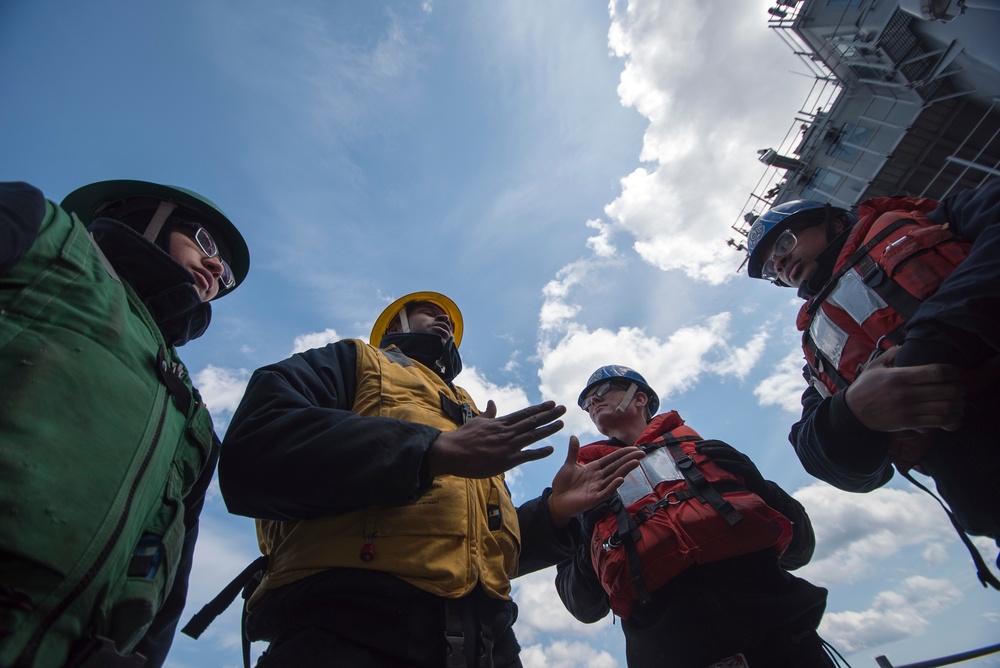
(103, 435)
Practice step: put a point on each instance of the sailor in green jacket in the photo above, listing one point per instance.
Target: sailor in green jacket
(106, 446)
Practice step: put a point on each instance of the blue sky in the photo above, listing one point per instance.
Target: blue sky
(567, 172)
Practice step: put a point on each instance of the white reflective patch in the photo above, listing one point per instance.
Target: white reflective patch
(853, 296)
(660, 466)
(829, 338)
(634, 488)
(657, 466)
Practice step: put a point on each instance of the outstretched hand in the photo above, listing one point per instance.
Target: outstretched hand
(579, 487)
(887, 398)
(488, 445)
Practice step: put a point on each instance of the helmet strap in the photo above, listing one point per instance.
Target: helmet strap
(404, 322)
(159, 218)
(627, 399)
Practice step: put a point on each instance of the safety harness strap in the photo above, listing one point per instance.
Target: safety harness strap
(982, 570)
(246, 582)
(628, 533)
(861, 252)
(704, 491)
(454, 635)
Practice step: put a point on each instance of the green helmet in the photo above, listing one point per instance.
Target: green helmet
(87, 203)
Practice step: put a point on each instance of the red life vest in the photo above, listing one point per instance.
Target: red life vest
(894, 259)
(678, 509)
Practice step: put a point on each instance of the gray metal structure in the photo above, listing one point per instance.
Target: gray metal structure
(902, 103)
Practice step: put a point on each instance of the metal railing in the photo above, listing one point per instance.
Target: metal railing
(883, 662)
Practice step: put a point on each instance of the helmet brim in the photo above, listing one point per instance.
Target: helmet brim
(390, 311)
(86, 200)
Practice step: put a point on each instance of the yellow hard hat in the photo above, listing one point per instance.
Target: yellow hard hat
(436, 298)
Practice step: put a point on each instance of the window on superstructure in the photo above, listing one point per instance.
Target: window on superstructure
(852, 134)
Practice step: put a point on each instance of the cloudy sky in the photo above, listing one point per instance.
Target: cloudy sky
(567, 172)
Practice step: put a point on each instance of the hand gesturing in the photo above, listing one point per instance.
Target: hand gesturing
(488, 445)
(577, 488)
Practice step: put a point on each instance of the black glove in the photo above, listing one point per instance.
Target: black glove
(734, 461)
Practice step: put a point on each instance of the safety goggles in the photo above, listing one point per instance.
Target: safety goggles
(783, 245)
(599, 393)
(208, 246)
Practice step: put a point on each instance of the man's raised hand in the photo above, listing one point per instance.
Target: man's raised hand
(488, 445)
(579, 487)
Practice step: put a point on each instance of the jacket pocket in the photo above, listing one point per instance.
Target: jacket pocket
(148, 579)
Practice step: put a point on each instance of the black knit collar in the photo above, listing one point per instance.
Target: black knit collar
(166, 288)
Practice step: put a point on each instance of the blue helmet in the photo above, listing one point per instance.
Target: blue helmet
(778, 218)
(616, 371)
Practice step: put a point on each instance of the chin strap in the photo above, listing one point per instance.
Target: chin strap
(163, 212)
(627, 399)
(404, 322)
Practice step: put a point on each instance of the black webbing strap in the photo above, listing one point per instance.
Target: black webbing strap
(861, 252)
(454, 635)
(211, 610)
(671, 499)
(982, 570)
(701, 487)
(891, 292)
(197, 625)
(628, 533)
(822, 365)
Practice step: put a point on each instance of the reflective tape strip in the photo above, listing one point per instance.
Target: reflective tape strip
(829, 339)
(856, 298)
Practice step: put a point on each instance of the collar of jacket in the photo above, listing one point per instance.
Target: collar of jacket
(428, 350)
(826, 262)
(164, 286)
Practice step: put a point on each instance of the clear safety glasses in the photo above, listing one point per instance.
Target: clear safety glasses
(783, 245)
(599, 393)
(210, 249)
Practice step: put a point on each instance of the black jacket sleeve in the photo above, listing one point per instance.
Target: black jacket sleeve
(542, 544)
(803, 545)
(158, 639)
(294, 450)
(835, 447)
(577, 584)
(957, 323)
(22, 208)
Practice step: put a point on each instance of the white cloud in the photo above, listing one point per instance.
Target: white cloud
(672, 365)
(512, 361)
(601, 244)
(555, 311)
(785, 385)
(562, 654)
(540, 610)
(508, 398)
(893, 615)
(857, 533)
(703, 129)
(935, 554)
(222, 390)
(314, 340)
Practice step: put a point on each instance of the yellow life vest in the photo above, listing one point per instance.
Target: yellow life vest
(461, 533)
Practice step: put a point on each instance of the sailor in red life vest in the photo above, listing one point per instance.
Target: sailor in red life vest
(901, 342)
(693, 552)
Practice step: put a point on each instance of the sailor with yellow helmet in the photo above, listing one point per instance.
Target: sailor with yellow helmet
(378, 490)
